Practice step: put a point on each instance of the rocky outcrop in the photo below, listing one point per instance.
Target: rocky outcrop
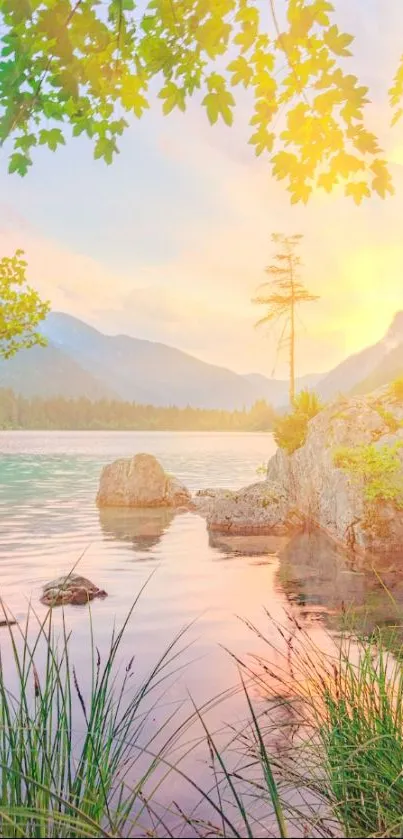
(262, 508)
(329, 496)
(140, 481)
(71, 589)
(310, 487)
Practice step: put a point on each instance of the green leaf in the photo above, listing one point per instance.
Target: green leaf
(219, 104)
(105, 148)
(51, 138)
(19, 163)
(173, 96)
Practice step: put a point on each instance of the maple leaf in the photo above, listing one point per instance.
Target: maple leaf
(358, 191)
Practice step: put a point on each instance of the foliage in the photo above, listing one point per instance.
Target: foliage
(290, 431)
(396, 390)
(362, 737)
(343, 771)
(60, 413)
(307, 402)
(94, 65)
(21, 309)
(67, 752)
(389, 418)
(282, 294)
(377, 468)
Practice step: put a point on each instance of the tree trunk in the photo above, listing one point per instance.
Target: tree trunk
(292, 339)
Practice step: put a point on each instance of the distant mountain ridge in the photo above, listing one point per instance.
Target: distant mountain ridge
(82, 361)
(374, 366)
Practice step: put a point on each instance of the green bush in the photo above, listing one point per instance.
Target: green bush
(378, 468)
(290, 431)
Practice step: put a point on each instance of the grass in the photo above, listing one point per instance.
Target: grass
(345, 730)
(338, 771)
(66, 756)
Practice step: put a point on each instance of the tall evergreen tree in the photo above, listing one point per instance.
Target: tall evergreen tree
(282, 294)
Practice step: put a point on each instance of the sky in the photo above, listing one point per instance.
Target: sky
(170, 242)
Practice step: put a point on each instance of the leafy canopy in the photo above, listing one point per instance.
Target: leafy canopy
(21, 309)
(92, 65)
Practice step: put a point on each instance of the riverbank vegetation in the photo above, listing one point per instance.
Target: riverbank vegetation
(79, 760)
(59, 413)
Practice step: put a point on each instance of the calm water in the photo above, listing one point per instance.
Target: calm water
(48, 483)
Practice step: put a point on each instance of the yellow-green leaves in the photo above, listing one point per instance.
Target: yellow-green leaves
(52, 138)
(242, 71)
(337, 41)
(21, 309)
(131, 95)
(82, 63)
(396, 93)
(218, 102)
(173, 96)
(381, 181)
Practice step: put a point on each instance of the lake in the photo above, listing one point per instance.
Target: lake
(207, 583)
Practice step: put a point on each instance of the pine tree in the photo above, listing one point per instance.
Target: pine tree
(282, 294)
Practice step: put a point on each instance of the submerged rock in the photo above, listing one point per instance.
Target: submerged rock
(72, 589)
(140, 481)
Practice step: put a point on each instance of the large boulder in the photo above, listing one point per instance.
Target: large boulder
(261, 508)
(140, 481)
(330, 496)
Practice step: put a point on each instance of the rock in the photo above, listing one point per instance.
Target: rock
(329, 496)
(205, 499)
(261, 508)
(140, 481)
(71, 589)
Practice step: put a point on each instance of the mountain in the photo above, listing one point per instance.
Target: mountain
(46, 371)
(365, 370)
(82, 361)
(275, 391)
(146, 372)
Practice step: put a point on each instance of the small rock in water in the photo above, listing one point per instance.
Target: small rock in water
(72, 589)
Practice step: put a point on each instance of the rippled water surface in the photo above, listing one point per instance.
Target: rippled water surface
(48, 483)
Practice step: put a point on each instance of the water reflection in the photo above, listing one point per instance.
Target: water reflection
(264, 546)
(323, 580)
(142, 528)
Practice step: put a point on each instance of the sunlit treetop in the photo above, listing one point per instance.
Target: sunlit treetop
(88, 64)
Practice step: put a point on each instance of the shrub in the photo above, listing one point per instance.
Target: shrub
(290, 431)
(389, 418)
(396, 390)
(378, 468)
